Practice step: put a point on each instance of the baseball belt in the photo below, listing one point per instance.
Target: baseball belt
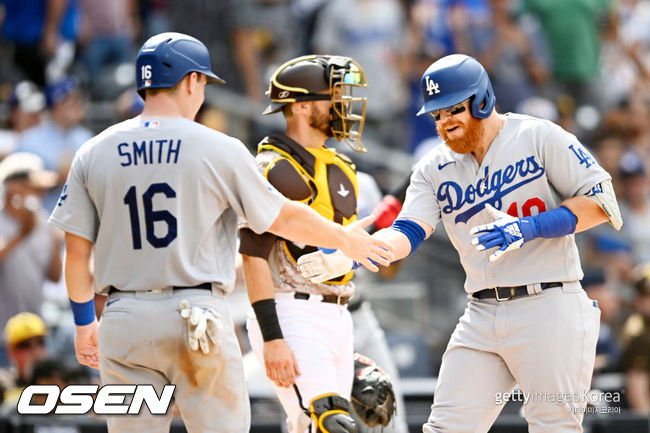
(508, 293)
(330, 299)
(204, 286)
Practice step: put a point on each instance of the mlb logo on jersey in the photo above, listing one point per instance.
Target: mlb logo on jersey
(432, 86)
(151, 124)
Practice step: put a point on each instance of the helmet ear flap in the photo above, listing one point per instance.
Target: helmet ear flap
(482, 107)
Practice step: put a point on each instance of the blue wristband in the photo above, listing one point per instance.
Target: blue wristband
(83, 312)
(412, 230)
(551, 224)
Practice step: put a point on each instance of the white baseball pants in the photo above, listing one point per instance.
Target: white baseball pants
(320, 336)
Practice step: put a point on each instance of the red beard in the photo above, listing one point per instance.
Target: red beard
(473, 130)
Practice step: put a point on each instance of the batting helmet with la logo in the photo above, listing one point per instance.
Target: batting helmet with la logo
(453, 79)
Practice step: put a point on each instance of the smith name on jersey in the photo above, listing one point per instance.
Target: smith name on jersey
(159, 151)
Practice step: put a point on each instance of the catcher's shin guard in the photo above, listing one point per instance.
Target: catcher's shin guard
(331, 414)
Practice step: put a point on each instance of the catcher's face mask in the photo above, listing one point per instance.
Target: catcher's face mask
(300, 79)
(348, 112)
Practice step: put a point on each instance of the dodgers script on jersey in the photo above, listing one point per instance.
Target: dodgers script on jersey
(149, 242)
(531, 166)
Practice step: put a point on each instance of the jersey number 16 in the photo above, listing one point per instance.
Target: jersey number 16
(151, 216)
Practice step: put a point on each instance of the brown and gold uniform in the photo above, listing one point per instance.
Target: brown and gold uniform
(321, 178)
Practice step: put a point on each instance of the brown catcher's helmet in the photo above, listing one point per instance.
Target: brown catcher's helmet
(300, 79)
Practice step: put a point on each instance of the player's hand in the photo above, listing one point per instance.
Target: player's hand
(505, 233)
(280, 363)
(203, 326)
(324, 265)
(365, 249)
(85, 345)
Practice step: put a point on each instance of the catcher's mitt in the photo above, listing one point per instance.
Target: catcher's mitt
(373, 398)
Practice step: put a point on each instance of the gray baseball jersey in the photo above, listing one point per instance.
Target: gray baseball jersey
(531, 166)
(160, 200)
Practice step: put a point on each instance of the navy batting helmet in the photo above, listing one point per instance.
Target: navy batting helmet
(167, 57)
(453, 79)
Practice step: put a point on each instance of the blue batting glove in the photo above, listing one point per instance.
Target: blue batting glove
(506, 232)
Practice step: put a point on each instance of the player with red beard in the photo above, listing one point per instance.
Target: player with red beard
(511, 190)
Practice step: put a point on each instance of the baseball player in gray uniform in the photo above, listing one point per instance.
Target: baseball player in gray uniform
(156, 199)
(510, 190)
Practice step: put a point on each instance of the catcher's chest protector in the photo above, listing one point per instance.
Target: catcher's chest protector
(331, 179)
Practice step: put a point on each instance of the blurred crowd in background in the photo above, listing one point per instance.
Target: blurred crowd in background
(67, 72)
